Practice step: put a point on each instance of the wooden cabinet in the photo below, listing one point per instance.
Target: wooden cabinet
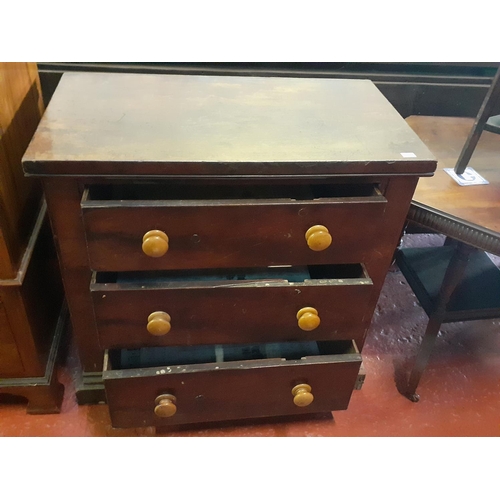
(223, 240)
(30, 285)
(21, 108)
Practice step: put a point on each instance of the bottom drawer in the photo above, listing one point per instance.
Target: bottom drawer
(182, 385)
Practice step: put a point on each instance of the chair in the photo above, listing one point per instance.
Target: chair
(456, 282)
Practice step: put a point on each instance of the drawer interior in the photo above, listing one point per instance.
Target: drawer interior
(162, 191)
(344, 274)
(148, 357)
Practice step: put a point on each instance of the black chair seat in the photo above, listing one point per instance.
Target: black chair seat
(476, 297)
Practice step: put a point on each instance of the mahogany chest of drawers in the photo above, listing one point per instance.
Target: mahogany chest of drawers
(223, 240)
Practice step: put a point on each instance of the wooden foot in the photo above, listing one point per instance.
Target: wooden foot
(44, 394)
(414, 398)
(47, 399)
(89, 388)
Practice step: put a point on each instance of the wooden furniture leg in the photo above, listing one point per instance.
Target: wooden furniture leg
(47, 399)
(453, 275)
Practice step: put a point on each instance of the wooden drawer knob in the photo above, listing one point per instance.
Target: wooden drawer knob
(302, 395)
(159, 323)
(308, 319)
(318, 238)
(155, 243)
(165, 406)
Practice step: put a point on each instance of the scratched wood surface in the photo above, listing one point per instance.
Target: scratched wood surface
(131, 124)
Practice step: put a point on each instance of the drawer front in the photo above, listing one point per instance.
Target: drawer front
(227, 391)
(213, 314)
(232, 235)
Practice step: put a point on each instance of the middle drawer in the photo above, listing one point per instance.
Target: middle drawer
(330, 302)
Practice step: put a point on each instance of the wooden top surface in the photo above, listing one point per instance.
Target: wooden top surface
(195, 125)
(473, 205)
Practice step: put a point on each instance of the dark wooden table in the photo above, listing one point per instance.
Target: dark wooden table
(457, 282)
(233, 172)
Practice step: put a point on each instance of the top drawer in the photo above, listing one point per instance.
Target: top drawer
(220, 226)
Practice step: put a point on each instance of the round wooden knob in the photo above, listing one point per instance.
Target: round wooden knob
(155, 243)
(165, 406)
(159, 323)
(308, 319)
(318, 238)
(302, 395)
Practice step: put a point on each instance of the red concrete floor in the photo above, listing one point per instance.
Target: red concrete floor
(459, 390)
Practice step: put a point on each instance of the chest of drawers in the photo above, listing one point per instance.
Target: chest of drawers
(223, 240)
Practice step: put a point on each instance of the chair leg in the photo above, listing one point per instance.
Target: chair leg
(452, 278)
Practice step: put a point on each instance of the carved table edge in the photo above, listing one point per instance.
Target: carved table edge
(454, 227)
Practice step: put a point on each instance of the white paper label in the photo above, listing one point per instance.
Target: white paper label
(408, 155)
(469, 178)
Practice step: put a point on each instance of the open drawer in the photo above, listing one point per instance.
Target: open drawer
(232, 306)
(218, 383)
(146, 226)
